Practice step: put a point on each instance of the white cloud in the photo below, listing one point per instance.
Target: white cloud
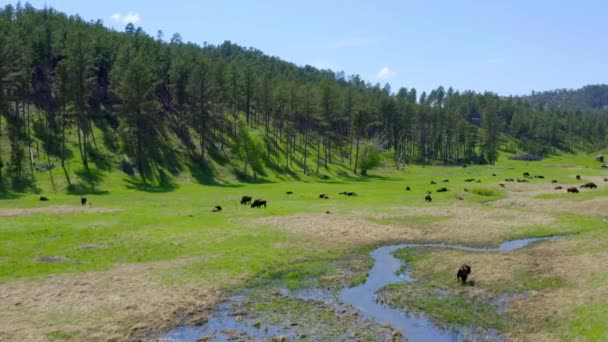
(386, 73)
(129, 17)
(345, 43)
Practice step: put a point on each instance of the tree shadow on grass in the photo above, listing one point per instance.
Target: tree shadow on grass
(89, 183)
(164, 183)
(204, 174)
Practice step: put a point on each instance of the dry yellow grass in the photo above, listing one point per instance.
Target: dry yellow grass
(56, 210)
(117, 304)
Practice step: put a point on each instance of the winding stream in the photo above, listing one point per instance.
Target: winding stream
(362, 297)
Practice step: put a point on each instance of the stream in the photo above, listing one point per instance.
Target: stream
(225, 324)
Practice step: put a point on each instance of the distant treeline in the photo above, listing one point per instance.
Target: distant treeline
(591, 98)
(157, 101)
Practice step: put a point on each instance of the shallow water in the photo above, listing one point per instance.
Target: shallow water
(362, 297)
(223, 321)
(386, 271)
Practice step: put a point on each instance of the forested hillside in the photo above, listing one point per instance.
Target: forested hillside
(591, 98)
(81, 97)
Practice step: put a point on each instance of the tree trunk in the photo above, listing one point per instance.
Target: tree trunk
(65, 171)
(356, 155)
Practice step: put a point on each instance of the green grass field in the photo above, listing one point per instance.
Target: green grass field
(160, 240)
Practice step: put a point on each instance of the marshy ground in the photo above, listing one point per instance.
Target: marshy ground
(137, 263)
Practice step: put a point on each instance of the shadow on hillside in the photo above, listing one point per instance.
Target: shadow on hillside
(246, 178)
(83, 189)
(205, 174)
(7, 195)
(164, 184)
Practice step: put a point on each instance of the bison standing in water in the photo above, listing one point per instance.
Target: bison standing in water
(463, 273)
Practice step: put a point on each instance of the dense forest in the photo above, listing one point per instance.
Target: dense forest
(77, 93)
(591, 98)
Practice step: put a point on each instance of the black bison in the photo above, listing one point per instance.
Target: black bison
(351, 194)
(501, 185)
(572, 190)
(493, 175)
(428, 198)
(43, 199)
(442, 190)
(407, 188)
(558, 188)
(509, 180)
(216, 209)
(526, 174)
(469, 180)
(539, 176)
(578, 177)
(446, 180)
(83, 200)
(460, 197)
(554, 181)
(464, 166)
(324, 196)
(289, 192)
(605, 179)
(258, 203)
(433, 182)
(522, 181)
(589, 186)
(245, 199)
(463, 273)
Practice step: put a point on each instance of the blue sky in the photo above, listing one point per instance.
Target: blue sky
(508, 46)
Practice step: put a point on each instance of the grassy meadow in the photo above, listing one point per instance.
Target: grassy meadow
(141, 259)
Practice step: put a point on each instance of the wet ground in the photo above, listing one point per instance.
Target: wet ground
(358, 306)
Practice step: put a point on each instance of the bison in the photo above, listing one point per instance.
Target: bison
(83, 200)
(501, 185)
(554, 181)
(446, 180)
(469, 180)
(246, 200)
(43, 199)
(493, 175)
(351, 194)
(463, 273)
(407, 188)
(558, 188)
(605, 179)
(539, 176)
(428, 198)
(589, 185)
(216, 209)
(526, 174)
(522, 181)
(324, 196)
(578, 177)
(289, 192)
(442, 190)
(433, 182)
(509, 180)
(258, 203)
(573, 190)
(342, 193)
